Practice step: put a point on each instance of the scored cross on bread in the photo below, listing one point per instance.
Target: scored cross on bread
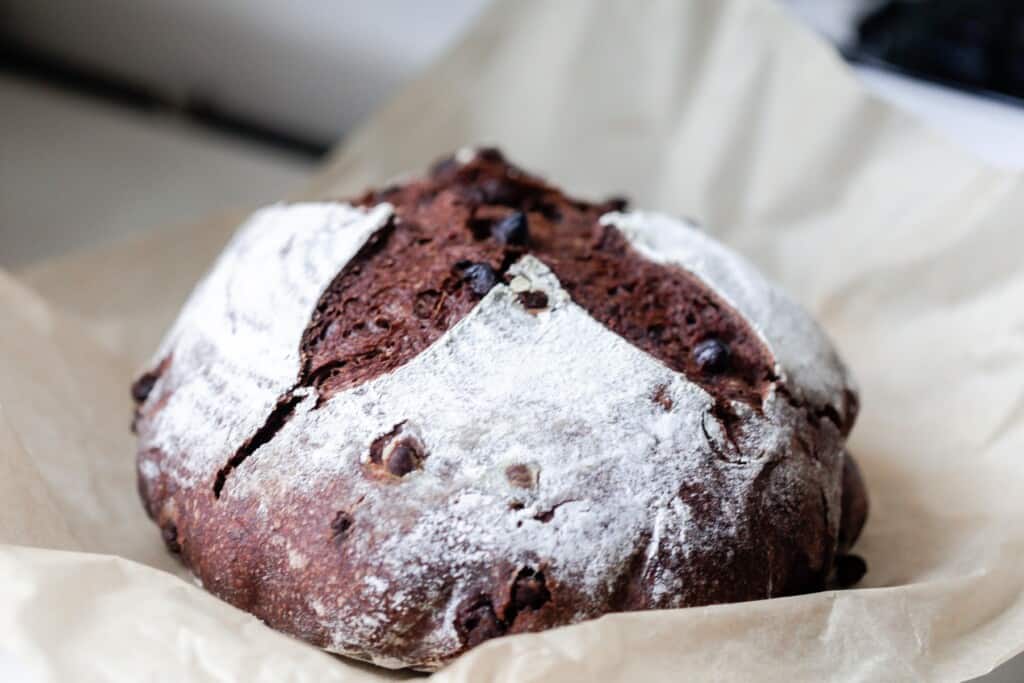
(469, 405)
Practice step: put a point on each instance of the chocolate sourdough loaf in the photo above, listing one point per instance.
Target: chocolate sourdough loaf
(469, 405)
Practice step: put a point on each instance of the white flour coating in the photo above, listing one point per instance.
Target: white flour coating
(803, 354)
(236, 342)
(555, 390)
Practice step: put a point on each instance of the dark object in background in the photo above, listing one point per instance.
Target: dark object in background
(975, 45)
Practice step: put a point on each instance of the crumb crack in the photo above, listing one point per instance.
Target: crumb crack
(277, 419)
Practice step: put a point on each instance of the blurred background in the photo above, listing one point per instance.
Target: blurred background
(127, 115)
(120, 116)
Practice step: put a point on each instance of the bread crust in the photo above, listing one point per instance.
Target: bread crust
(469, 405)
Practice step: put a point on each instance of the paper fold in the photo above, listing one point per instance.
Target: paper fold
(904, 247)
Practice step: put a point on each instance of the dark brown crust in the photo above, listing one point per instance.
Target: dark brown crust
(408, 284)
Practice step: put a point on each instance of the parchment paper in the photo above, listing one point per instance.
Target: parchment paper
(908, 250)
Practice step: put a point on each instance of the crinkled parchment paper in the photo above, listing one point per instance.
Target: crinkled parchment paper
(907, 249)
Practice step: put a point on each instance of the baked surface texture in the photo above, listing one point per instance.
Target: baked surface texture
(469, 405)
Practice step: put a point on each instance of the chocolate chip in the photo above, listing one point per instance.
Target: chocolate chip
(712, 356)
(169, 532)
(402, 457)
(476, 622)
(340, 525)
(535, 300)
(520, 476)
(529, 590)
(512, 229)
(143, 386)
(402, 460)
(480, 277)
(850, 569)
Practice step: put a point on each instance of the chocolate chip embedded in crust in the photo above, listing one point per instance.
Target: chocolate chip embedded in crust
(403, 456)
(144, 385)
(169, 532)
(520, 476)
(849, 570)
(476, 621)
(513, 229)
(396, 453)
(402, 460)
(529, 591)
(535, 300)
(712, 356)
(480, 277)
